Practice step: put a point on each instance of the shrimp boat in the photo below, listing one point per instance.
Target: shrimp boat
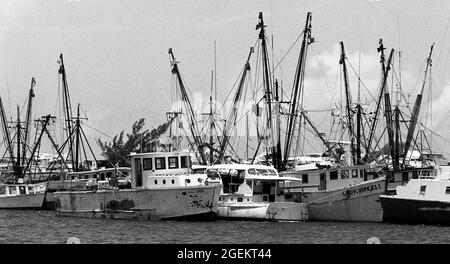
(347, 193)
(22, 195)
(162, 187)
(88, 180)
(255, 192)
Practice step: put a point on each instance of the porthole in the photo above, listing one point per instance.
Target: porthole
(200, 180)
(188, 180)
(156, 182)
(173, 181)
(164, 181)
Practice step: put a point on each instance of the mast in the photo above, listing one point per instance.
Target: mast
(358, 133)
(28, 120)
(416, 109)
(77, 137)
(358, 113)
(267, 84)
(298, 83)
(66, 104)
(388, 113)
(348, 102)
(385, 71)
(185, 98)
(47, 119)
(6, 133)
(17, 169)
(231, 120)
(211, 120)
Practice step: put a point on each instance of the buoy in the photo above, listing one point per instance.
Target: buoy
(373, 240)
(73, 240)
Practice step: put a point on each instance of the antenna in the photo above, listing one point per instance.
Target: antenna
(215, 75)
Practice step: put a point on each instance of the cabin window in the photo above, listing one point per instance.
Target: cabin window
(173, 162)
(262, 171)
(102, 176)
(249, 183)
(185, 162)
(423, 189)
(304, 178)
(252, 171)
(240, 199)
(231, 179)
(138, 172)
(164, 181)
(22, 190)
(344, 174)
(415, 175)
(147, 163)
(2, 190)
(160, 163)
(173, 181)
(333, 175)
(361, 173)
(447, 190)
(405, 176)
(272, 172)
(156, 182)
(12, 190)
(354, 173)
(108, 174)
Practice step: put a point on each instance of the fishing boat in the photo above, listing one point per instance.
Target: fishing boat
(163, 187)
(425, 200)
(347, 193)
(255, 192)
(22, 195)
(88, 180)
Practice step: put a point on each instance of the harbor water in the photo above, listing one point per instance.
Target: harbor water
(18, 227)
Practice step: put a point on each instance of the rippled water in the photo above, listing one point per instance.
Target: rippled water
(45, 227)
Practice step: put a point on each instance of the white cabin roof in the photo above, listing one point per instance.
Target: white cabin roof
(271, 178)
(238, 166)
(160, 154)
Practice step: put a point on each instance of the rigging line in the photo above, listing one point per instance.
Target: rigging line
(402, 93)
(9, 97)
(443, 41)
(279, 62)
(364, 85)
(232, 89)
(419, 74)
(311, 50)
(446, 64)
(97, 130)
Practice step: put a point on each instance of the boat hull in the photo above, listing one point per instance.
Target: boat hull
(145, 204)
(26, 201)
(398, 210)
(277, 211)
(357, 203)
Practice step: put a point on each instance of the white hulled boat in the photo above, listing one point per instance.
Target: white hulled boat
(163, 187)
(255, 192)
(425, 200)
(339, 193)
(22, 195)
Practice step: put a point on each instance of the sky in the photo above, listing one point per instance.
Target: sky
(117, 63)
